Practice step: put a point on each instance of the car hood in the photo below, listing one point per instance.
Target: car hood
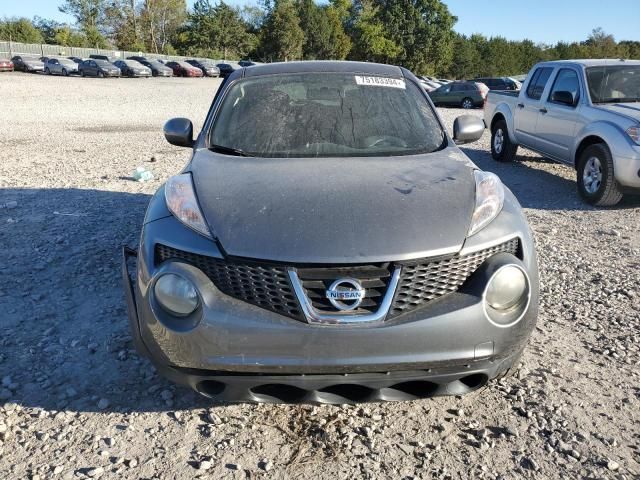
(336, 210)
(627, 109)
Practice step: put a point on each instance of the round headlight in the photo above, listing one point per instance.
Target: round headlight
(507, 288)
(176, 295)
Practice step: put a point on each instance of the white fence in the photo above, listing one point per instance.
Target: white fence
(9, 49)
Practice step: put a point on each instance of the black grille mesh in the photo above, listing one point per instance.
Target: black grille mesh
(268, 286)
(261, 284)
(374, 279)
(424, 281)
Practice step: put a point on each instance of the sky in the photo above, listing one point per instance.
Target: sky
(546, 21)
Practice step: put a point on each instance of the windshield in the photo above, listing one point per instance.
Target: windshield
(102, 63)
(326, 114)
(132, 63)
(185, 64)
(613, 84)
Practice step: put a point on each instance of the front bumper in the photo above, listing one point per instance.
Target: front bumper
(235, 351)
(627, 169)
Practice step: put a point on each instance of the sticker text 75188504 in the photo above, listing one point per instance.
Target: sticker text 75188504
(380, 81)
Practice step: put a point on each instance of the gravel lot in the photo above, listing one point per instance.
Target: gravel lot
(77, 402)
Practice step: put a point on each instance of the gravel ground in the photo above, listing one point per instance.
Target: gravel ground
(77, 402)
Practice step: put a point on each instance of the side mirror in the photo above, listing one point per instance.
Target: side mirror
(179, 132)
(467, 129)
(565, 98)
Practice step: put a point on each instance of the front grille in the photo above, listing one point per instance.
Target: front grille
(423, 281)
(373, 278)
(268, 286)
(260, 284)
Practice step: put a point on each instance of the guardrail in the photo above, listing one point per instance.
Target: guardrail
(9, 49)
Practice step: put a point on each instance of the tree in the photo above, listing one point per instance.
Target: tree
(160, 21)
(371, 41)
(422, 29)
(282, 38)
(323, 31)
(20, 30)
(601, 44)
(90, 15)
(217, 31)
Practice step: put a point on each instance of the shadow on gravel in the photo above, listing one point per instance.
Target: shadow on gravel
(537, 188)
(64, 342)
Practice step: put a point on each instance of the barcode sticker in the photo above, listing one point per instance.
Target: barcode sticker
(380, 82)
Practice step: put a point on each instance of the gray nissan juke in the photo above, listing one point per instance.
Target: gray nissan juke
(328, 242)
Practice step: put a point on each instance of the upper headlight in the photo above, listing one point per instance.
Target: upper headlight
(182, 202)
(489, 200)
(634, 134)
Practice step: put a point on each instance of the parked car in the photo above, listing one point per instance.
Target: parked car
(131, 68)
(60, 66)
(139, 58)
(184, 69)
(429, 85)
(98, 68)
(44, 60)
(249, 294)
(498, 83)
(208, 68)
(585, 113)
(108, 58)
(6, 65)
(157, 69)
(27, 63)
(459, 94)
(77, 60)
(247, 63)
(226, 69)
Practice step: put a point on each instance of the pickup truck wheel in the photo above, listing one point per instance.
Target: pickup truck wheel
(596, 181)
(502, 149)
(467, 103)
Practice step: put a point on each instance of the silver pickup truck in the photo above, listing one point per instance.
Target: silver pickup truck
(585, 113)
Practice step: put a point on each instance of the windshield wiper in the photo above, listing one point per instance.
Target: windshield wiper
(619, 100)
(229, 150)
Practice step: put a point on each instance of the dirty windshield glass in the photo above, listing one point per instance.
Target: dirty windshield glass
(614, 84)
(326, 114)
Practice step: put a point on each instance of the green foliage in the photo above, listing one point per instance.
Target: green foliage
(417, 34)
(281, 37)
(20, 30)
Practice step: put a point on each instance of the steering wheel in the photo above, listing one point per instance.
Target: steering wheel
(385, 140)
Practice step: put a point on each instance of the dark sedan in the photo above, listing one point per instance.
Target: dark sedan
(77, 60)
(459, 94)
(184, 69)
(157, 68)
(6, 65)
(208, 68)
(131, 68)
(98, 68)
(226, 69)
(27, 63)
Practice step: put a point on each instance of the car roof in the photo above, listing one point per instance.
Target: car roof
(324, 66)
(593, 62)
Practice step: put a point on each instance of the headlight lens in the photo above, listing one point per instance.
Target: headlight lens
(507, 288)
(489, 200)
(181, 201)
(176, 295)
(634, 134)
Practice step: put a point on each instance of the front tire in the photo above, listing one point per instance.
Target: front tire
(64, 72)
(597, 183)
(502, 150)
(100, 74)
(467, 103)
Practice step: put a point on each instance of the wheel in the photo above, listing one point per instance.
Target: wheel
(100, 74)
(64, 72)
(47, 71)
(467, 103)
(502, 149)
(596, 181)
(82, 74)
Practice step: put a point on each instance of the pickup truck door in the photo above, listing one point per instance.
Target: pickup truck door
(557, 121)
(528, 107)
